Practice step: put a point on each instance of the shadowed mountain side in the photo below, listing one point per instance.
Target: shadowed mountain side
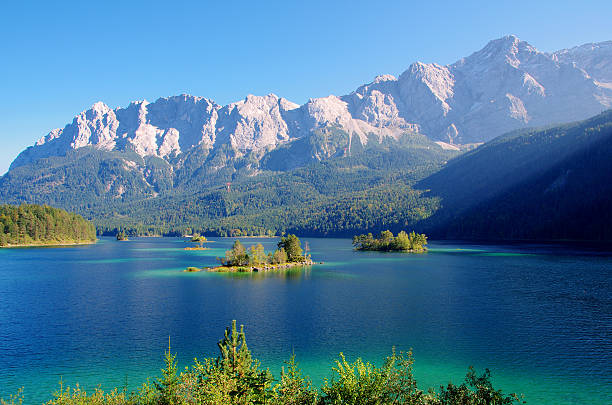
(549, 183)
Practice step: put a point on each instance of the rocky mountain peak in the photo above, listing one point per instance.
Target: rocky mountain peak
(438, 79)
(99, 108)
(506, 85)
(384, 78)
(506, 50)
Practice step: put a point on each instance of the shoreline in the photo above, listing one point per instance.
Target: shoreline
(58, 244)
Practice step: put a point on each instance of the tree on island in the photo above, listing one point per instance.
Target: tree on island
(199, 239)
(257, 255)
(236, 256)
(278, 257)
(289, 250)
(403, 242)
(292, 246)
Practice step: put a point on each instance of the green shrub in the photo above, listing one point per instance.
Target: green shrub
(235, 378)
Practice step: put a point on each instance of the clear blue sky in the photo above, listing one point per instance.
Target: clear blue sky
(58, 58)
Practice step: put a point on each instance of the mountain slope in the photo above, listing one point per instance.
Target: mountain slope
(594, 58)
(183, 151)
(340, 196)
(549, 184)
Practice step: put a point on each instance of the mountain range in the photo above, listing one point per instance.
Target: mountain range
(381, 141)
(508, 84)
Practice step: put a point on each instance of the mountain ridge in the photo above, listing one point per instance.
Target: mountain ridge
(506, 85)
(381, 157)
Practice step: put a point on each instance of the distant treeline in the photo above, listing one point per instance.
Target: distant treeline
(35, 224)
(235, 378)
(259, 210)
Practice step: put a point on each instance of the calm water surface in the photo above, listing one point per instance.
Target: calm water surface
(539, 317)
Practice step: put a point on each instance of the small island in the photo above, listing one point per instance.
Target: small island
(41, 225)
(200, 240)
(289, 253)
(386, 242)
(122, 236)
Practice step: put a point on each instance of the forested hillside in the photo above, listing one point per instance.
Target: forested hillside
(552, 183)
(344, 192)
(340, 196)
(30, 224)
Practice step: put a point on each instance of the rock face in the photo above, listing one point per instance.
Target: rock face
(594, 59)
(507, 85)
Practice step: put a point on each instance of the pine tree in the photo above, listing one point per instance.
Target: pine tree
(235, 355)
(251, 385)
(292, 247)
(168, 386)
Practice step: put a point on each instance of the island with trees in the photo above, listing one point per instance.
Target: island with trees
(289, 253)
(387, 242)
(200, 240)
(41, 225)
(122, 236)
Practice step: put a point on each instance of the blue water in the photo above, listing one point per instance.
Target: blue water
(539, 317)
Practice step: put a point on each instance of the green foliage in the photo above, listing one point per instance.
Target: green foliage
(278, 257)
(294, 388)
(235, 378)
(257, 255)
(239, 256)
(403, 242)
(14, 399)
(235, 355)
(292, 246)
(476, 390)
(168, 386)
(145, 395)
(362, 383)
(35, 224)
(199, 239)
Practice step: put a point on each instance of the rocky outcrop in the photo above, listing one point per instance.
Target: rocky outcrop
(594, 59)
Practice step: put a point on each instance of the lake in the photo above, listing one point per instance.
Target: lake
(539, 317)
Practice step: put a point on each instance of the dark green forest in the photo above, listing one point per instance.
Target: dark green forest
(30, 224)
(236, 378)
(547, 184)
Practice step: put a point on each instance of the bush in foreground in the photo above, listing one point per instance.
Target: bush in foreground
(235, 378)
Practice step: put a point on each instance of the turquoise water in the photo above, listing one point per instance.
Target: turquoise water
(540, 317)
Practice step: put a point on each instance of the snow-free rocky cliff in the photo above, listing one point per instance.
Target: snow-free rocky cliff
(507, 85)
